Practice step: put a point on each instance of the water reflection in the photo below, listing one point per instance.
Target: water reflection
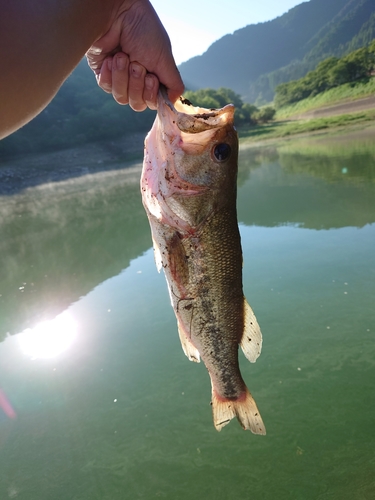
(59, 241)
(122, 413)
(315, 182)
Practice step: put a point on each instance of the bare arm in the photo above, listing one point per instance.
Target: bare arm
(41, 42)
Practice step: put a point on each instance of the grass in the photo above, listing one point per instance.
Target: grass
(285, 128)
(318, 146)
(346, 92)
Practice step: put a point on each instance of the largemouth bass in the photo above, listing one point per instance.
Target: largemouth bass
(189, 192)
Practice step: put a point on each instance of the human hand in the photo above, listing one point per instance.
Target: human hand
(134, 55)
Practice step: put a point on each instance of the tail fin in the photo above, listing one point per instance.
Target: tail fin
(245, 409)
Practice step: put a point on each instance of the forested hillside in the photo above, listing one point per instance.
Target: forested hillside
(333, 72)
(254, 60)
(80, 113)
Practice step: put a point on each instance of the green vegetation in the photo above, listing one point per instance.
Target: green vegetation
(245, 113)
(330, 73)
(346, 92)
(351, 29)
(254, 60)
(264, 115)
(284, 129)
(334, 148)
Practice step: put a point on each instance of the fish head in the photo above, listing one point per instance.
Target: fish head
(190, 167)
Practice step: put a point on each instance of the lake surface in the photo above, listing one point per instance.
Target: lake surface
(97, 399)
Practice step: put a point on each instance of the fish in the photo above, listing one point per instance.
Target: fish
(189, 192)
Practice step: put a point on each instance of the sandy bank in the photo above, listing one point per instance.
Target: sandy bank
(341, 108)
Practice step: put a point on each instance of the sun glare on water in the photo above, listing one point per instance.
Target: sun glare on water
(49, 338)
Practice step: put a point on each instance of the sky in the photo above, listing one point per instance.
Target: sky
(194, 25)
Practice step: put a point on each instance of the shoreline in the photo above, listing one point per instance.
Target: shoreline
(24, 172)
(289, 129)
(367, 127)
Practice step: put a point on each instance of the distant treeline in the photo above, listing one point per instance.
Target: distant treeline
(246, 114)
(332, 72)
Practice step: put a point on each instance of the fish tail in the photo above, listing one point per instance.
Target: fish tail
(244, 408)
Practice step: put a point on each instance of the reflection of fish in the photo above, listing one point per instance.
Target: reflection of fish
(189, 193)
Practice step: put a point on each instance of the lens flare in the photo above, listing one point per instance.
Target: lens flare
(49, 338)
(6, 406)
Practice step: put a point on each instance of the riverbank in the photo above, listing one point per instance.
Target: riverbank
(20, 173)
(343, 107)
(333, 118)
(352, 98)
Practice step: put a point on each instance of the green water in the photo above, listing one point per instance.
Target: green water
(121, 413)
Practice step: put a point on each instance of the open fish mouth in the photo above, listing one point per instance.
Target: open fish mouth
(193, 119)
(189, 129)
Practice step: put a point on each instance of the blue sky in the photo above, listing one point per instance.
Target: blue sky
(194, 25)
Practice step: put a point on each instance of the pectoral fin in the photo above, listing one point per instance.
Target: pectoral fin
(157, 255)
(251, 343)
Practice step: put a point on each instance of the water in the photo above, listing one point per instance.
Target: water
(102, 403)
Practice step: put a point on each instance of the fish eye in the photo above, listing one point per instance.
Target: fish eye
(222, 151)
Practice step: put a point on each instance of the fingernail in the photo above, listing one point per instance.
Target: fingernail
(120, 63)
(149, 82)
(136, 70)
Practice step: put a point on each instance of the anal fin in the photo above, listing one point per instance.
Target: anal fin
(251, 342)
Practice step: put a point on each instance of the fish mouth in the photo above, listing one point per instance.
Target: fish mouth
(193, 119)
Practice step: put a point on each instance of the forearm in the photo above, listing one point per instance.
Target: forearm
(41, 41)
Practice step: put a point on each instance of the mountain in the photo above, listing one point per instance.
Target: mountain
(254, 60)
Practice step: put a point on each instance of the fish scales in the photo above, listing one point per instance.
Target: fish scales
(188, 189)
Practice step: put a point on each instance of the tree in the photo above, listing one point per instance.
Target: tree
(245, 113)
(214, 99)
(264, 115)
(329, 73)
